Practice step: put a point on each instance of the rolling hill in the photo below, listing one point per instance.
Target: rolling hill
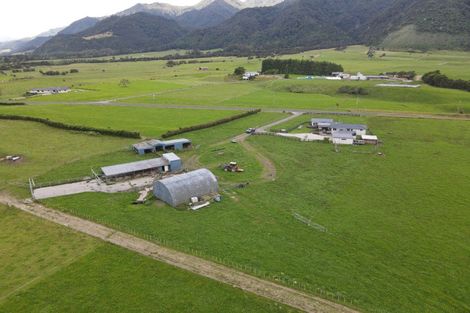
(116, 35)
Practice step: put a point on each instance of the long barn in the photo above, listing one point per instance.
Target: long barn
(169, 162)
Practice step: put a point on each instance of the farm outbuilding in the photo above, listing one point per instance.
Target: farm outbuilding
(48, 90)
(180, 189)
(154, 145)
(370, 139)
(169, 162)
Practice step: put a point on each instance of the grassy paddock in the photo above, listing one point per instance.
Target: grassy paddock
(147, 121)
(45, 267)
(153, 82)
(396, 228)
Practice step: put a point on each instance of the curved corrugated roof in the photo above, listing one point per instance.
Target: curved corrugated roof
(180, 189)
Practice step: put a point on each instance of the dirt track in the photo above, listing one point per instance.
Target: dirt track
(260, 287)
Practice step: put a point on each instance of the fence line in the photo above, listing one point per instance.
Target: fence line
(280, 278)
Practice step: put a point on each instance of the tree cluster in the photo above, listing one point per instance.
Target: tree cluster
(350, 90)
(437, 79)
(301, 67)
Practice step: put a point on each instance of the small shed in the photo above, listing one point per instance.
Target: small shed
(179, 189)
(174, 161)
(370, 139)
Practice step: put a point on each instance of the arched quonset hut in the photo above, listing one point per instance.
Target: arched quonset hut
(179, 189)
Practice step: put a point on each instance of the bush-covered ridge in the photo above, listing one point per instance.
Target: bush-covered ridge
(80, 128)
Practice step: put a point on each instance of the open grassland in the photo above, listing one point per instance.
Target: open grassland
(155, 83)
(44, 148)
(388, 233)
(354, 59)
(147, 121)
(31, 250)
(48, 268)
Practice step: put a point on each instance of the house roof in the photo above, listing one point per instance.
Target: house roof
(343, 135)
(322, 120)
(349, 126)
(129, 168)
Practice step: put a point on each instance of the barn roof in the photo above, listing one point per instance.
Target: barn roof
(129, 168)
(179, 189)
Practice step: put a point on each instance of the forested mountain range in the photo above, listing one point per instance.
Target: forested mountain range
(273, 26)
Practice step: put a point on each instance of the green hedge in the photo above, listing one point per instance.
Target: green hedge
(108, 132)
(12, 103)
(172, 133)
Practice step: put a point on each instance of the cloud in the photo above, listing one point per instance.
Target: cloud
(26, 18)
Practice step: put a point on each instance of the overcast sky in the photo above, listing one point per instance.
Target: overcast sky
(28, 18)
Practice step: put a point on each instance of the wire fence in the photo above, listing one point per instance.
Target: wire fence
(281, 278)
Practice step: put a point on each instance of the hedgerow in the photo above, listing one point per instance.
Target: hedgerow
(80, 128)
(183, 130)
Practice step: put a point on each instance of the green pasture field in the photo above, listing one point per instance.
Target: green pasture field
(387, 233)
(43, 149)
(52, 155)
(148, 121)
(354, 59)
(155, 83)
(396, 224)
(48, 268)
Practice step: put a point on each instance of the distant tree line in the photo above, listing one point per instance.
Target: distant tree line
(350, 90)
(53, 73)
(301, 67)
(11, 103)
(437, 79)
(45, 121)
(183, 130)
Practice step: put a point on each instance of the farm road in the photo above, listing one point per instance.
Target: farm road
(237, 279)
(269, 169)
